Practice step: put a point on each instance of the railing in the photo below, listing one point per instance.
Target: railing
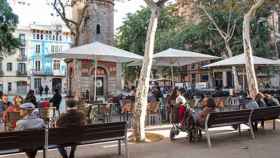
(21, 58)
(35, 72)
(21, 73)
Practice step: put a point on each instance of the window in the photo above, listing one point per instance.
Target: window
(22, 52)
(52, 48)
(22, 39)
(34, 36)
(9, 86)
(37, 65)
(37, 83)
(9, 66)
(38, 36)
(56, 65)
(193, 66)
(21, 67)
(0, 67)
(42, 36)
(37, 48)
(193, 78)
(98, 29)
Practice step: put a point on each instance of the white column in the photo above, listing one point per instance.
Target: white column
(224, 79)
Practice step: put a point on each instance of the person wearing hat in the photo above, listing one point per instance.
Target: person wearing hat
(72, 118)
(29, 121)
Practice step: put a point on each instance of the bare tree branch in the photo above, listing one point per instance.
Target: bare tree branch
(68, 22)
(222, 33)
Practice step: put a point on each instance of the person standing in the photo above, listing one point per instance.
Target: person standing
(30, 98)
(29, 121)
(41, 89)
(56, 100)
(47, 90)
(73, 118)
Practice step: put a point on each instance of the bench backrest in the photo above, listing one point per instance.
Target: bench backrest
(17, 139)
(267, 113)
(87, 133)
(35, 138)
(229, 117)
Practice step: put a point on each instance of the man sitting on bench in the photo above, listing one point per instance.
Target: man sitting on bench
(29, 121)
(72, 118)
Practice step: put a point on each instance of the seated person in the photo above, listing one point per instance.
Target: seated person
(72, 118)
(270, 100)
(29, 122)
(181, 102)
(209, 106)
(5, 102)
(14, 108)
(251, 104)
(260, 100)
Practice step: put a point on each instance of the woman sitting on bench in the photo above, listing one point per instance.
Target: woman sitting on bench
(209, 106)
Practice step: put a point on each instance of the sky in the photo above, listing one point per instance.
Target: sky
(125, 7)
(41, 12)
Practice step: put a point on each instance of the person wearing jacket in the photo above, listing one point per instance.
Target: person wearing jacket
(73, 118)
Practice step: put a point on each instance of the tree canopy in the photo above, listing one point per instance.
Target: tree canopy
(8, 23)
(203, 38)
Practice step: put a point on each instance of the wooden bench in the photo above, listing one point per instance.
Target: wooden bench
(221, 119)
(14, 142)
(265, 114)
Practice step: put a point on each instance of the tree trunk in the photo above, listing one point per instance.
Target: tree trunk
(234, 72)
(248, 50)
(144, 79)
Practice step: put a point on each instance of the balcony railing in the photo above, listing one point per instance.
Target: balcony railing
(41, 73)
(21, 58)
(21, 73)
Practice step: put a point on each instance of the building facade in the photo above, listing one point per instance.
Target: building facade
(32, 66)
(98, 26)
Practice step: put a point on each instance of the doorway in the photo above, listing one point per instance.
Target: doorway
(56, 84)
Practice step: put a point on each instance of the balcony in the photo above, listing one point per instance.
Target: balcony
(41, 73)
(21, 73)
(21, 58)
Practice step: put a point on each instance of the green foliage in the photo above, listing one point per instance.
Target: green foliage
(203, 38)
(8, 23)
(132, 34)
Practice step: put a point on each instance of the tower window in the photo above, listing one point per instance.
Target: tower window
(98, 29)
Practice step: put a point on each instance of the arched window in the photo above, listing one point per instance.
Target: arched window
(98, 29)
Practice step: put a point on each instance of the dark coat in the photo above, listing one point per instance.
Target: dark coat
(56, 100)
(71, 118)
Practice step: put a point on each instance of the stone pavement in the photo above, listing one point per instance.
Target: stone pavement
(226, 144)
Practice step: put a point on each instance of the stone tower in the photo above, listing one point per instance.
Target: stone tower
(189, 10)
(98, 23)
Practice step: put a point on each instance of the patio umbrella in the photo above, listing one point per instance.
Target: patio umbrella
(98, 51)
(239, 60)
(174, 57)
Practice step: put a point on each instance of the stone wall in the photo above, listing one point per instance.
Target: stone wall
(189, 10)
(99, 22)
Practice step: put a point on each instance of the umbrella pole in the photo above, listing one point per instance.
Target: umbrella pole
(95, 70)
(244, 80)
(172, 76)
